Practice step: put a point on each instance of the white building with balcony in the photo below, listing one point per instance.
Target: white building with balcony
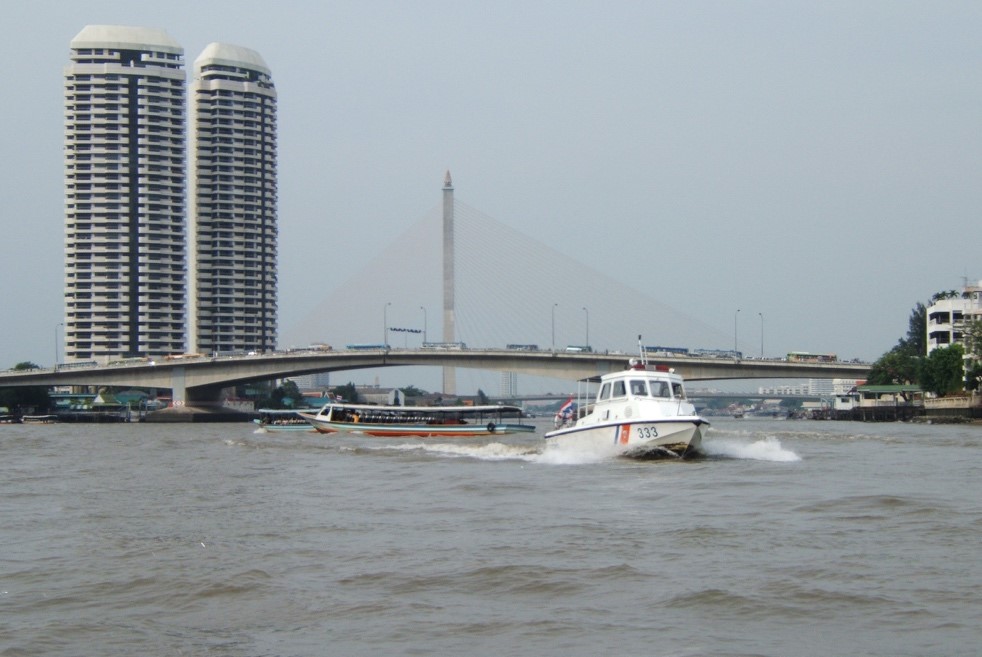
(232, 222)
(124, 93)
(948, 319)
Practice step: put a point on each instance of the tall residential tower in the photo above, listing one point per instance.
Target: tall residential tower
(232, 221)
(124, 194)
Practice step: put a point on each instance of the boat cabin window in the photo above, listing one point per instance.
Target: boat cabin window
(604, 392)
(678, 391)
(659, 389)
(638, 388)
(620, 390)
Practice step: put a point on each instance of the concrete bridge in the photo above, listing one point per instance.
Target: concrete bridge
(194, 380)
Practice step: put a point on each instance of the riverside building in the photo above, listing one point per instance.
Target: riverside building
(232, 222)
(124, 194)
(951, 316)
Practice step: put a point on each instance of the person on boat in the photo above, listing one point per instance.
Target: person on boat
(564, 415)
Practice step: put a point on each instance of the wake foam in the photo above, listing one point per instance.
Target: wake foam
(485, 452)
(765, 449)
(547, 454)
(554, 454)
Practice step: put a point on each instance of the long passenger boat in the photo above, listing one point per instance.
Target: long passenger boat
(422, 421)
(281, 420)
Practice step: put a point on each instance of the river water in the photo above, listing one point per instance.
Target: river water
(789, 538)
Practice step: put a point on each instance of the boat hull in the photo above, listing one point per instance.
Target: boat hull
(676, 436)
(274, 427)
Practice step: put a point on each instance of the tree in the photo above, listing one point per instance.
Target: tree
(413, 391)
(347, 392)
(902, 364)
(972, 337)
(915, 344)
(292, 397)
(943, 370)
(896, 367)
(481, 397)
(973, 377)
(287, 395)
(945, 294)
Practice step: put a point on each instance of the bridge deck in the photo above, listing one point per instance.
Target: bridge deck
(203, 378)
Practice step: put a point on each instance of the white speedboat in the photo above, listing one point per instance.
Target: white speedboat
(642, 410)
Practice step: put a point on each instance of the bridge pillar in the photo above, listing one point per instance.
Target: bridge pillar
(449, 318)
(181, 395)
(178, 390)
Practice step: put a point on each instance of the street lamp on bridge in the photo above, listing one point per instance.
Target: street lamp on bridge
(56, 341)
(761, 335)
(587, 343)
(385, 322)
(735, 315)
(554, 326)
(424, 323)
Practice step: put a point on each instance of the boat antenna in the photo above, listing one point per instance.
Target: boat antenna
(644, 359)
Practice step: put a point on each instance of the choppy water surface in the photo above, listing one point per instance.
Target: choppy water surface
(790, 538)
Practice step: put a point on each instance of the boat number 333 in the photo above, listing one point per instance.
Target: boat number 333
(623, 435)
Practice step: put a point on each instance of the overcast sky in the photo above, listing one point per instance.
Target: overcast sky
(815, 162)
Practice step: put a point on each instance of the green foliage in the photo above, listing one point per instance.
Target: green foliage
(915, 344)
(972, 337)
(897, 366)
(285, 396)
(413, 391)
(973, 377)
(482, 398)
(943, 371)
(945, 294)
(292, 397)
(26, 365)
(902, 364)
(347, 392)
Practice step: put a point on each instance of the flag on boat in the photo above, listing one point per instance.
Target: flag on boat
(566, 410)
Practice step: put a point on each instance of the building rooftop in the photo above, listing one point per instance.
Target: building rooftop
(231, 55)
(125, 38)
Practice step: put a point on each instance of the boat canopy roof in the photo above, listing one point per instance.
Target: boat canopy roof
(661, 370)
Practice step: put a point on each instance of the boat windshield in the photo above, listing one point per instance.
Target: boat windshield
(659, 389)
(620, 390)
(652, 388)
